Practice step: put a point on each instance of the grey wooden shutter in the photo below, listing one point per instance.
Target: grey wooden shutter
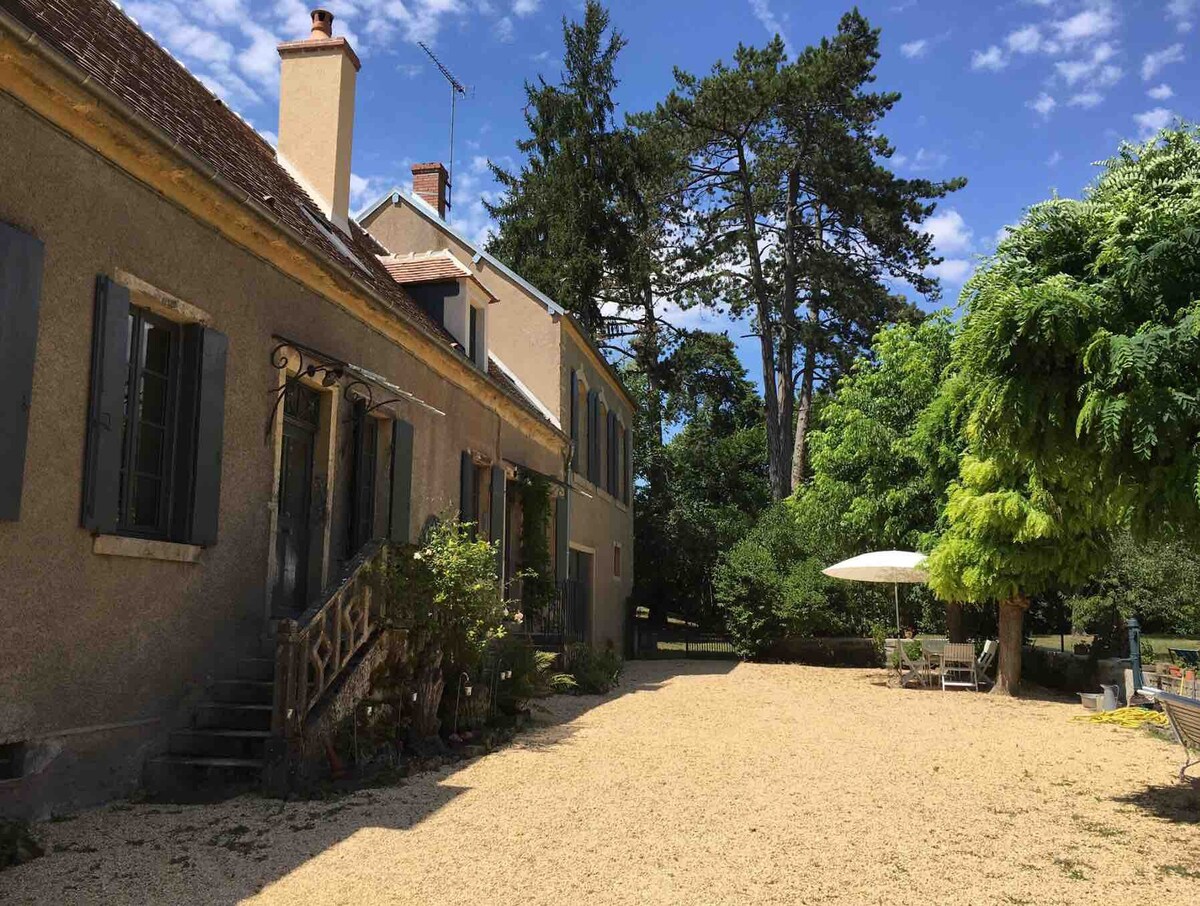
(466, 488)
(573, 410)
(400, 501)
(627, 471)
(593, 470)
(106, 408)
(610, 479)
(200, 440)
(562, 537)
(20, 290)
(499, 494)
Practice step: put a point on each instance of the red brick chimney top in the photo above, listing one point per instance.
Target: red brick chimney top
(431, 183)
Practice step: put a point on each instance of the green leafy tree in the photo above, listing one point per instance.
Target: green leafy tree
(790, 217)
(1076, 375)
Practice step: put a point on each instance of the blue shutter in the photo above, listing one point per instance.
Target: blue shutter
(593, 466)
(573, 409)
(400, 503)
(20, 290)
(627, 471)
(106, 407)
(200, 440)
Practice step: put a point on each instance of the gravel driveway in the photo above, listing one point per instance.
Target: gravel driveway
(693, 783)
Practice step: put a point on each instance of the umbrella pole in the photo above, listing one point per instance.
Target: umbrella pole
(899, 631)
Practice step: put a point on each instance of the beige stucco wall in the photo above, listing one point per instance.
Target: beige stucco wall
(598, 520)
(521, 333)
(91, 640)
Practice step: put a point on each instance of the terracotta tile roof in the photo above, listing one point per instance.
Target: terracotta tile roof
(116, 55)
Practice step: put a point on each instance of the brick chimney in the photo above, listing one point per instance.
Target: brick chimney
(316, 114)
(431, 183)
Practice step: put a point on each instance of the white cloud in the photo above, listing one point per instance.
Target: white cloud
(922, 160)
(363, 189)
(764, 14)
(1161, 92)
(914, 49)
(503, 30)
(1153, 63)
(1025, 40)
(1086, 99)
(526, 7)
(1043, 105)
(954, 271)
(1052, 161)
(1095, 70)
(951, 235)
(1182, 13)
(1152, 121)
(1095, 21)
(991, 59)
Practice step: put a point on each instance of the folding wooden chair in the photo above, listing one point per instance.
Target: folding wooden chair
(958, 666)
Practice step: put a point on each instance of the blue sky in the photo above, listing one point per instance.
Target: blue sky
(1021, 97)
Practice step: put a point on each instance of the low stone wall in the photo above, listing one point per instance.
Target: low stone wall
(1069, 672)
(825, 652)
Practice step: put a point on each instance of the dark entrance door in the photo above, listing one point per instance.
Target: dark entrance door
(301, 411)
(579, 593)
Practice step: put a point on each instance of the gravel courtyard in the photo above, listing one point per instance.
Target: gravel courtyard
(694, 783)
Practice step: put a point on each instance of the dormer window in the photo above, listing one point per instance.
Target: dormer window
(448, 291)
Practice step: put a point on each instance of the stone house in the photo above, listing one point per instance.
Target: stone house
(222, 391)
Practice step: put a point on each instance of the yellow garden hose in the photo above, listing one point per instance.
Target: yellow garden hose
(1130, 718)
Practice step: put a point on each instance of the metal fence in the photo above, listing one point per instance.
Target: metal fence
(565, 620)
(680, 639)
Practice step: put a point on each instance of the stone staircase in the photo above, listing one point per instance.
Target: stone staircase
(224, 749)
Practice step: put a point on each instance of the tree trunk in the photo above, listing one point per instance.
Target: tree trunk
(954, 622)
(1012, 638)
(803, 408)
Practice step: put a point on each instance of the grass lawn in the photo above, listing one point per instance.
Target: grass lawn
(697, 784)
(1160, 642)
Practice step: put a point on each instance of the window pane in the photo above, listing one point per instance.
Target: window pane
(147, 496)
(157, 348)
(154, 399)
(150, 449)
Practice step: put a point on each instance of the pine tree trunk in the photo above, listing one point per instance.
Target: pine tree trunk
(803, 408)
(1012, 638)
(955, 630)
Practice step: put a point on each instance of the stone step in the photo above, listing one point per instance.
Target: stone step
(224, 715)
(243, 690)
(256, 668)
(219, 742)
(194, 778)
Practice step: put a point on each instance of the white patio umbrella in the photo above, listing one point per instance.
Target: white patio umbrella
(895, 567)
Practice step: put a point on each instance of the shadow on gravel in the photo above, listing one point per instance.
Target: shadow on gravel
(1174, 802)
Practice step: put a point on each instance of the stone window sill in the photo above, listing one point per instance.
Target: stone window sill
(145, 549)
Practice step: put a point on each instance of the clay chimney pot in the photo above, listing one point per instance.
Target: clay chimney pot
(322, 25)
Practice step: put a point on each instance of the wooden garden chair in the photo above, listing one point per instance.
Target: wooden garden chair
(958, 666)
(1184, 714)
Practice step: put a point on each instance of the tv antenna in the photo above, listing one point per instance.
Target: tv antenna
(456, 88)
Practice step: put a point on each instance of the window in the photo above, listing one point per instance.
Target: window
(155, 423)
(474, 340)
(147, 447)
(12, 760)
(616, 561)
(362, 501)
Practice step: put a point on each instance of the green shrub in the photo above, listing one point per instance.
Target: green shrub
(534, 674)
(595, 672)
(769, 585)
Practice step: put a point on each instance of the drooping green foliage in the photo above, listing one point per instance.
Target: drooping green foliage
(1075, 375)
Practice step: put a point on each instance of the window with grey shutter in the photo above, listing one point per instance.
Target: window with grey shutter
(21, 258)
(627, 470)
(400, 499)
(466, 488)
(593, 470)
(562, 539)
(573, 410)
(610, 476)
(152, 467)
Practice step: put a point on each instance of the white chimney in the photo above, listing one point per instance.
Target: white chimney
(316, 114)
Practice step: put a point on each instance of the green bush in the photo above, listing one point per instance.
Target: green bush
(534, 674)
(769, 586)
(595, 672)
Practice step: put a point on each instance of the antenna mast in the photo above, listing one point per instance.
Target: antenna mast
(456, 88)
